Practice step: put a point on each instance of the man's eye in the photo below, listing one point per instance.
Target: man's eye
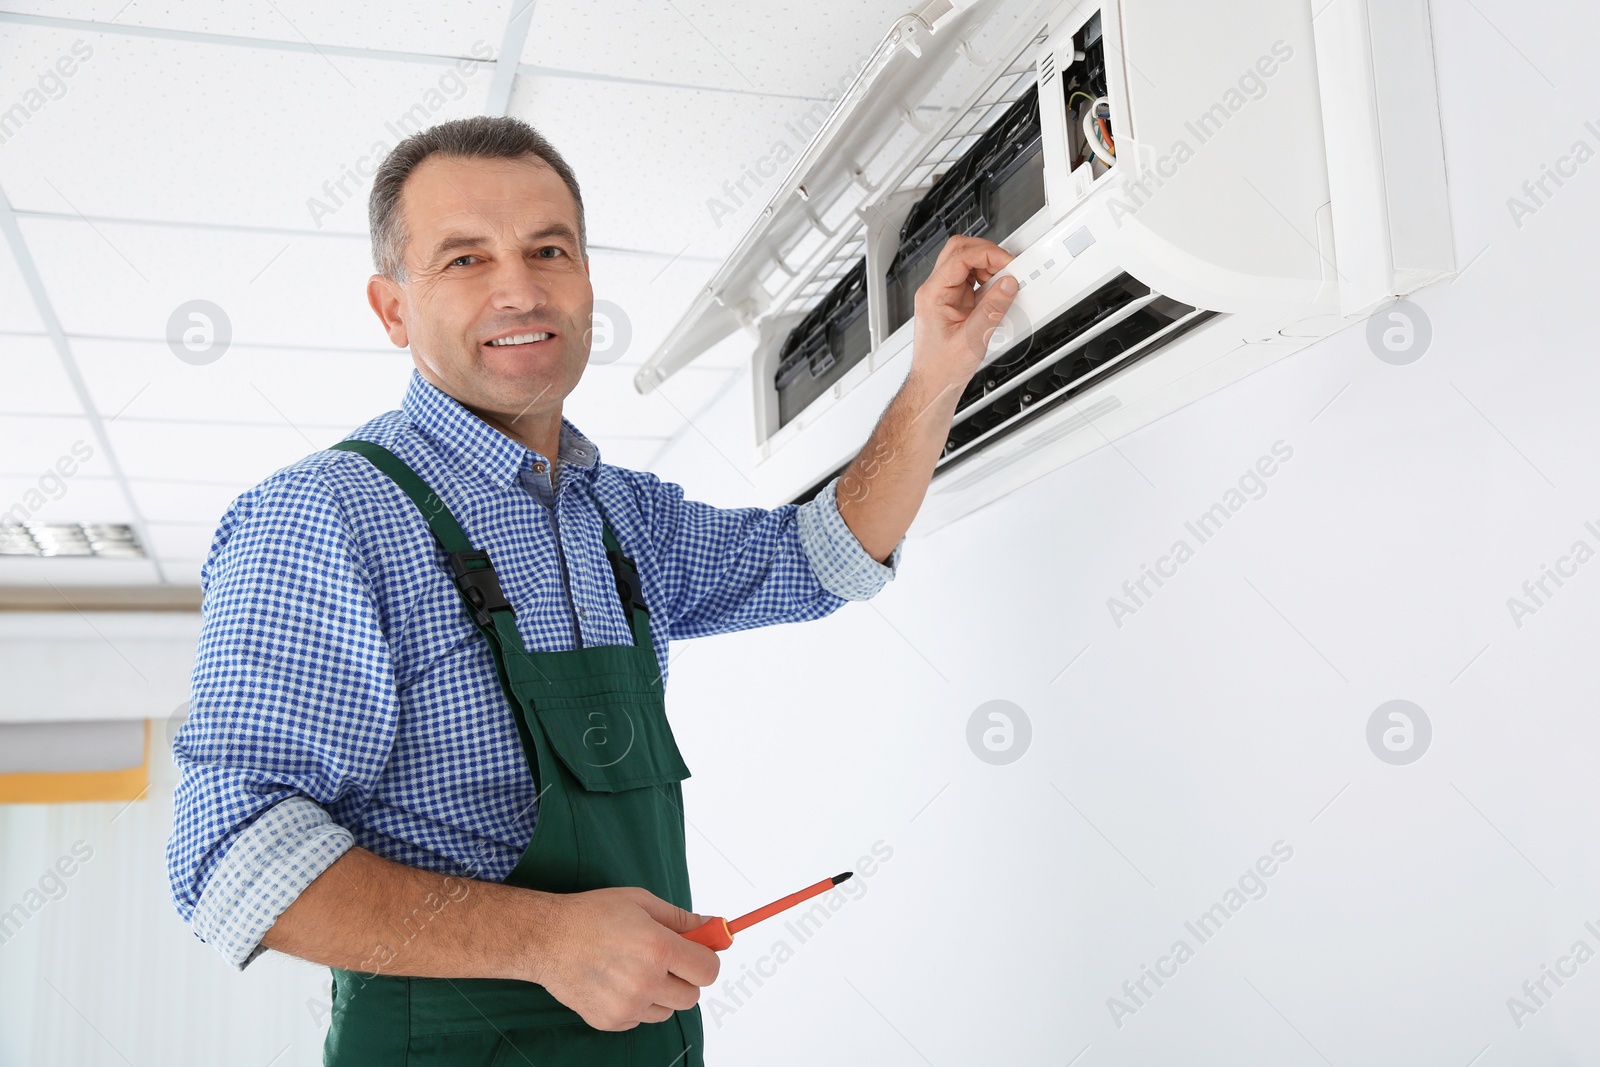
(552, 248)
(458, 259)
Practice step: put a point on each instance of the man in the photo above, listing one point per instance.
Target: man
(427, 745)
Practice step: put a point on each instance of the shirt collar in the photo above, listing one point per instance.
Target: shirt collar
(468, 439)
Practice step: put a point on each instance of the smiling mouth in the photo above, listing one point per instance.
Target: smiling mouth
(520, 340)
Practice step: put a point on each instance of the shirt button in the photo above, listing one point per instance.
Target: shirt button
(539, 467)
(580, 611)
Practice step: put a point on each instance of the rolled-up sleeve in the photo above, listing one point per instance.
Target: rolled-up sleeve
(292, 711)
(840, 563)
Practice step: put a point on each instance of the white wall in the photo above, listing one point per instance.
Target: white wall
(89, 665)
(1230, 712)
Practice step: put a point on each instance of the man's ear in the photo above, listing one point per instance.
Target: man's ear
(384, 296)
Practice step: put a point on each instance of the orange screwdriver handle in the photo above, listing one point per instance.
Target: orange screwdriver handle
(713, 933)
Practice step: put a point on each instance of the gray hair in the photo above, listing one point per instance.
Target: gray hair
(478, 137)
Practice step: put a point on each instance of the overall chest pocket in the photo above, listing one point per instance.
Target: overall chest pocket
(612, 741)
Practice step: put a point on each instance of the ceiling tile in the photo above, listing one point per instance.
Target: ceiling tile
(50, 497)
(32, 380)
(604, 404)
(808, 50)
(126, 281)
(404, 25)
(180, 501)
(215, 134)
(135, 380)
(210, 452)
(31, 445)
(18, 312)
(651, 292)
(180, 540)
(665, 174)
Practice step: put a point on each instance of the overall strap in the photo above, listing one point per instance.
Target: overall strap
(474, 575)
(629, 588)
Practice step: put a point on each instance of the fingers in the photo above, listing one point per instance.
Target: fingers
(979, 328)
(961, 261)
(669, 914)
(691, 961)
(992, 307)
(677, 995)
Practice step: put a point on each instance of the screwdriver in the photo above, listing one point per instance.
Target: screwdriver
(717, 932)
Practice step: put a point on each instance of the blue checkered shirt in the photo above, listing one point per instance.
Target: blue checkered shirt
(341, 695)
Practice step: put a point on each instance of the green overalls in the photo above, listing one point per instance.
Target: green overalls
(594, 729)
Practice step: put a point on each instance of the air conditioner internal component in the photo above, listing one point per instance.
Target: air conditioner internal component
(1190, 192)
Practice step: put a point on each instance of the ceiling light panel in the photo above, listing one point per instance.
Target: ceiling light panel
(50, 539)
(65, 572)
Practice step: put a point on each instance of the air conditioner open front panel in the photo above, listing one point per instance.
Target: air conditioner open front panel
(914, 94)
(1248, 251)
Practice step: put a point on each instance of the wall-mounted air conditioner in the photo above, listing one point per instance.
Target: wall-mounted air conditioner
(1191, 191)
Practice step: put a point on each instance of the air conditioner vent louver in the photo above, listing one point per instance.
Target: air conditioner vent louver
(1111, 329)
(1116, 325)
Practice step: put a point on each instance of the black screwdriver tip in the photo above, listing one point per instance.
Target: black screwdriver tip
(842, 877)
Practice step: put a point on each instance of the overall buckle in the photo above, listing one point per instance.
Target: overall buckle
(480, 586)
(629, 588)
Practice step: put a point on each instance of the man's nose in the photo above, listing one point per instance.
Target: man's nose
(519, 284)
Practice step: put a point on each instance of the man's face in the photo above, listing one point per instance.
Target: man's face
(492, 251)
